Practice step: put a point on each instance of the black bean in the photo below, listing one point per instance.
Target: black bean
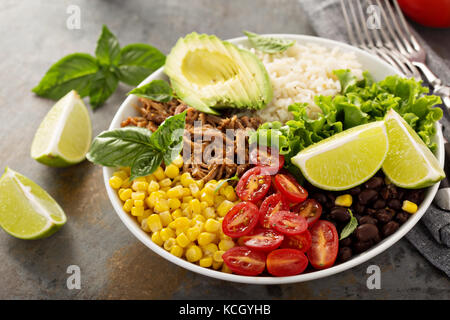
(355, 191)
(384, 193)
(346, 242)
(401, 217)
(400, 194)
(359, 208)
(340, 214)
(368, 219)
(380, 203)
(374, 183)
(345, 253)
(384, 215)
(414, 196)
(366, 232)
(361, 246)
(394, 204)
(320, 197)
(371, 212)
(389, 228)
(393, 192)
(367, 196)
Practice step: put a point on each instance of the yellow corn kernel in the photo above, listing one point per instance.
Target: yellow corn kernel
(166, 218)
(186, 179)
(216, 265)
(195, 206)
(120, 174)
(165, 183)
(159, 174)
(138, 195)
(144, 225)
(128, 205)
(209, 249)
(175, 192)
(193, 253)
(152, 187)
(409, 207)
(344, 200)
(177, 251)
(217, 256)
(146, 214)
(223, 236)
(205, 238)
(223, 185)
(127, 170)
(206, 262)
(186, 192)
(218, 201)
(224, 207)
(184, 205)
(125, 194)
(226, 244)
(150, 178)
(178, 161)
(208, 198)
(212, 225)
(195, 190)
(209, 213)
(172, 171)
(156, 238)
(193, 232)
(174, 203)
(165, 189)
(177, 213)
(229, 193)
(183, 240)
(161, 205)
(139, 185)
(196, 218)
(137, 211)
(138, 203)
(203, 204)
(126, 183)
(182, 223)
(166, 234)
(154, 222)
(226, 269)
(200, 183)
(169, 243)
(115, 182)
(187, 199)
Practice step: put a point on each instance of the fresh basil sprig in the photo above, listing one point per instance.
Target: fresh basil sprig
(268, 44)
(138, 148)
(98, 77)
(158, 90)
(350, 227)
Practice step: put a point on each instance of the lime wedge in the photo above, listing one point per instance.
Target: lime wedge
(64, 136)
(26, 210)
(346, 159)
(409, 162)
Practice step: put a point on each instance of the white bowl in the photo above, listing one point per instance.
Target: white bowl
(379, 69)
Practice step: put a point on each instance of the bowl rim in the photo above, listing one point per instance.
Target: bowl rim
(145, 238)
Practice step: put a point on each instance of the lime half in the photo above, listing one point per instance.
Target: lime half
(26, 210)
(409, 163)
(64, 136)
(346, 159)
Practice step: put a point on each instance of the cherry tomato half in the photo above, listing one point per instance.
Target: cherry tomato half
(240, 220)
(245, 261)
(430, 13)
(268, 157)
(288, 223)
(300, 241)
(253, 184)
(286, 262)
(309, 209)
(270, 205)
(263, 239)
(289, 188)
(324, 244)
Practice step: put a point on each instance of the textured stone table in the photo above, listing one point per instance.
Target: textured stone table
(114, 264)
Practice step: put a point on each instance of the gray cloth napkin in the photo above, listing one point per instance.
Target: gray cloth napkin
(431, 236)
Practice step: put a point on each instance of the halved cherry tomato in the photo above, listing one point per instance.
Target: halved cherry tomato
(300, 241)
(240, 220)
(270, 205)
(263, 239)
(324, 245)
(288, 223)
(263, 156)
(286, 262)
(309, 209)
(253, 184)
(289, 187)
(245, 261)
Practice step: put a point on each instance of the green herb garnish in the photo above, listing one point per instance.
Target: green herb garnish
(350, 227)
(222, 182)
(138, 148)
(98, 77)
(158, 90)
(268, 44)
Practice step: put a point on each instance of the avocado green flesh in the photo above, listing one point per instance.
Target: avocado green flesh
(208, 73)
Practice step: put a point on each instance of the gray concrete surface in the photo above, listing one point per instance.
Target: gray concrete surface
(114, 264)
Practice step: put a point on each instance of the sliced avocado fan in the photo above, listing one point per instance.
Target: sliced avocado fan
(208, 74)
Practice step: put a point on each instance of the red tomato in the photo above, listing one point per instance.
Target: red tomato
(271, 204)
(253, 184)
(288, 223)
(324, 245)
(430, 13)
(286, 262)
(300, 242)
(309, 209)
(245, 261)
(289, 188)
(263, 239)
(263, 156)
(240, 220)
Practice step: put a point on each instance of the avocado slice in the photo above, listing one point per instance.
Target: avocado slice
(208, 74)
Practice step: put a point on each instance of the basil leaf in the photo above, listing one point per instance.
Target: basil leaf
(119, 147)
(103, 86)
(137, 61)
(146, 163)
(350, 227)
(168, 134)
(73, 72)
(268, 44)
(158, 90)
(221, 183)
(108, 49)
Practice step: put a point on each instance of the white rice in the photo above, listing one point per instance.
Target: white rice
(302, 72)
